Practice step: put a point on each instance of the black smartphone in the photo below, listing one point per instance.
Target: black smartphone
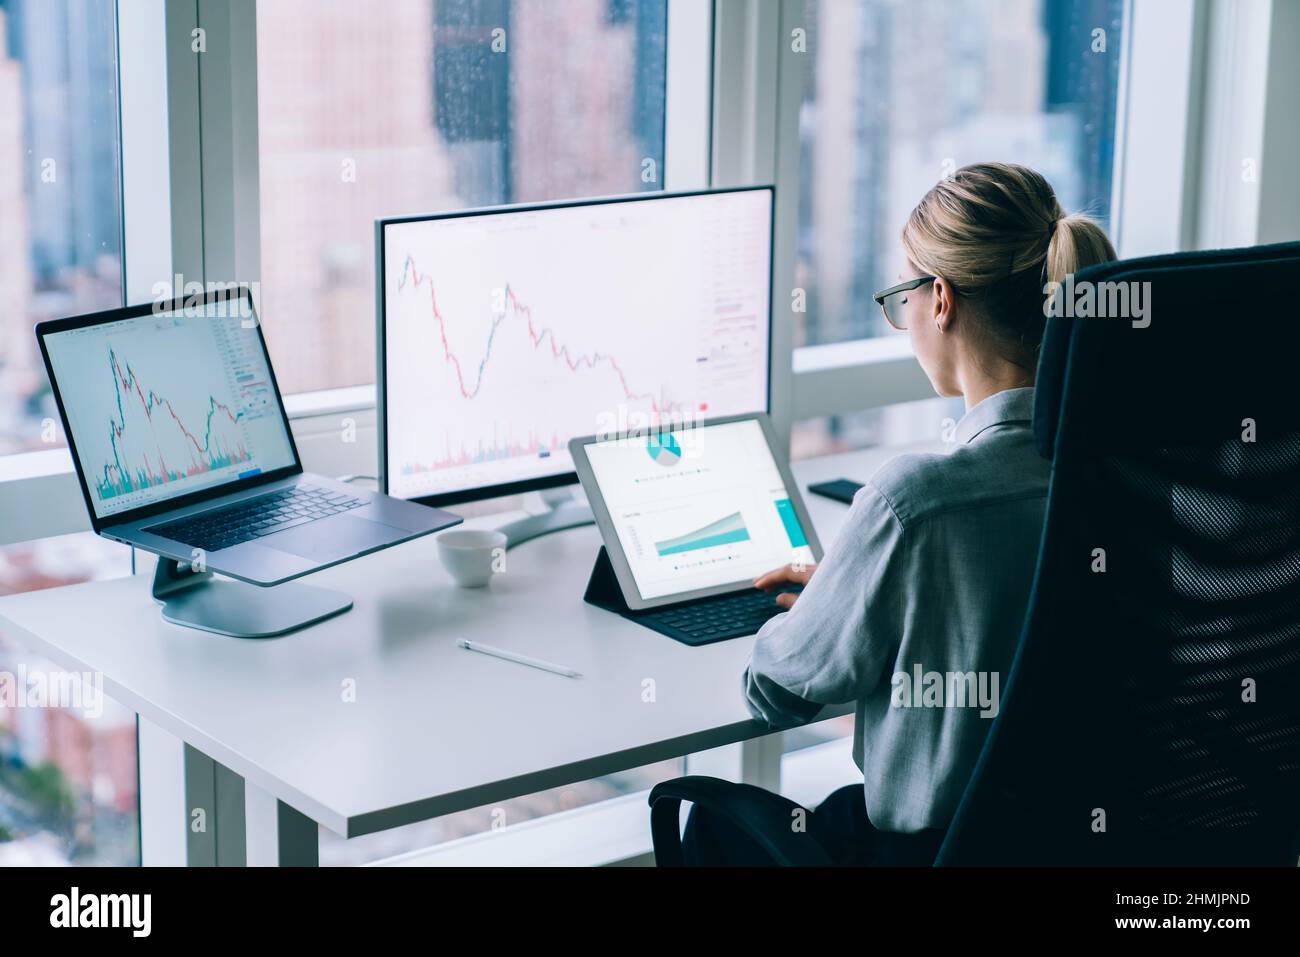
(841, 490)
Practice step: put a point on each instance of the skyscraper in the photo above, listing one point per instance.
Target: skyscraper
(17, 378)
(346, 133)
(69, 107)
(438, 105)
(59, 199)
(1082, 70)
(573, 118)
(900, 94)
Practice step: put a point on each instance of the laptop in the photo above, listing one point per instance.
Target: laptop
(181, 444)
(690, 516)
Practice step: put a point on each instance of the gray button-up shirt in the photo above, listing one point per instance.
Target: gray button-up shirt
(915, 614)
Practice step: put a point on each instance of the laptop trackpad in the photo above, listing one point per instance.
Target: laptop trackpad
(330, 539)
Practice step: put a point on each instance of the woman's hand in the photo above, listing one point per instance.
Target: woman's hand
(785, 575)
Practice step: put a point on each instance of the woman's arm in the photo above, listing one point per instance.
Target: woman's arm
(836, 642)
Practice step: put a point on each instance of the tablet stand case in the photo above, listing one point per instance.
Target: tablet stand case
(603, 591)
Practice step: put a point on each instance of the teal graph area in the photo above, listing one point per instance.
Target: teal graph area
(725, 531)
(790, 521)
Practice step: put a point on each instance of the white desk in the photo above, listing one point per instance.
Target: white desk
(433, 728)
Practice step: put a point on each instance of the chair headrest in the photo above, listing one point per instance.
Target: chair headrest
(1203, 341)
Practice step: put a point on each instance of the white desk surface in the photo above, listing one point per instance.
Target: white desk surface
(434, 728)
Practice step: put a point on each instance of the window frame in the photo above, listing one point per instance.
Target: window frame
(1164, 158)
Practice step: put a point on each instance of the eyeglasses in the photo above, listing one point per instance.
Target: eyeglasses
(893, 299)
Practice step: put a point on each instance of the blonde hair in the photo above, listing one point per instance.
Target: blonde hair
(997, 235)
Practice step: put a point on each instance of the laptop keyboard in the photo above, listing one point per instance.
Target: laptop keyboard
(715, 619)
(257, 517)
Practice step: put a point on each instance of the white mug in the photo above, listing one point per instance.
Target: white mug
(470, 554)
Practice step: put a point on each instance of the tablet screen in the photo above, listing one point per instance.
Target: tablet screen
(698, 507)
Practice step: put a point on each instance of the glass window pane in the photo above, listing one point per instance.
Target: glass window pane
(339, 852)
(901, 92)
(60, 206)
(924, 422)
(67, 774)
(414, 106)
(68, 779)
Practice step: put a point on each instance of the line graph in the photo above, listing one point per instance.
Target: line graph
(557, 351)
(118, 478)
(167, 403)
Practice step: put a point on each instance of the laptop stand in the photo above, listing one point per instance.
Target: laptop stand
(195, 599)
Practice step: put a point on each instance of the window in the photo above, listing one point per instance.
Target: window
(67, 775)
(921, 423)
(68, 781)
(60, 207)
(900, 92)
(415, 106)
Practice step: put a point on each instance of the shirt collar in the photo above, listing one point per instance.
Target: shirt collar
(1007, 406)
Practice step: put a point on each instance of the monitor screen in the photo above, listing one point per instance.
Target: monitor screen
(168, 403)
(698, 507)
(507, 333)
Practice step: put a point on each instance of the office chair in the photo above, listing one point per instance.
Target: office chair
(1151, 714)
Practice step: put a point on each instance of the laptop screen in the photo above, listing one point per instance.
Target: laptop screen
(168, 403)
(698, 507)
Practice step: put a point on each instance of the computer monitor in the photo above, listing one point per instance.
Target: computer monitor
(505, 332)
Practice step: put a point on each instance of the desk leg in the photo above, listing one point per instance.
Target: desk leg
(276, 834)
(760, 761)
(756, 761)
(231, 823)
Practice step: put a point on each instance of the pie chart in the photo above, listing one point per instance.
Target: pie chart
(663, 448)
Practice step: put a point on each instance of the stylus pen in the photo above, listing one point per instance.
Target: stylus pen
(519, 659)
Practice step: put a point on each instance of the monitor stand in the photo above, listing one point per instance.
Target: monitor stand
(195, 599)
(562, 511)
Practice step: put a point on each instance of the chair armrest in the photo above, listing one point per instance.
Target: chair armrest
(763, 816)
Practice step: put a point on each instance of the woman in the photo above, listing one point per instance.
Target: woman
(931, 574)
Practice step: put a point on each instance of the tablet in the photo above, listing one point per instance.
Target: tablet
(698, 510)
